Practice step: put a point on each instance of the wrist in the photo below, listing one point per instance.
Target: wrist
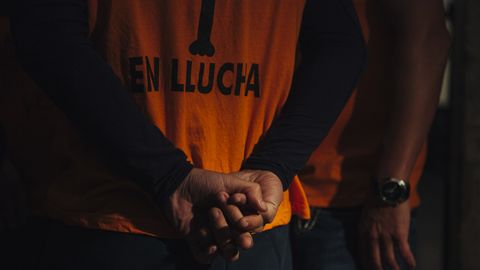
(179, 174)
(391, 191)
(271, 168)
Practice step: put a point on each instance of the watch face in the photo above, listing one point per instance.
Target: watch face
(391, 191)
(395, 192)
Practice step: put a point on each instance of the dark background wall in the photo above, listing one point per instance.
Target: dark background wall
(469, 171)
(463, 186)
(448, 226)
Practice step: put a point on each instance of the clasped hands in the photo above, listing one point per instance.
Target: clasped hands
(218, 213)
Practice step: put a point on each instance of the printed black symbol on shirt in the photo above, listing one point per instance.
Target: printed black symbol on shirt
(203, 46)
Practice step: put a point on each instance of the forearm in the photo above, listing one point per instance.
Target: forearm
(52, 45)
(414, 54)
(416, 85)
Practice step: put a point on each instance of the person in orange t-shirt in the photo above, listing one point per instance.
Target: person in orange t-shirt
(157, 122)
(361, 181)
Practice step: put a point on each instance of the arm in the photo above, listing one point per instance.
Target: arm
(333, 55)
(412, 74)
(421, 42)
(51, 42)
(52, 45)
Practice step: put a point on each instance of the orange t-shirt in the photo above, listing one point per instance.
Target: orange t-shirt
(340, 172)
(213, 99)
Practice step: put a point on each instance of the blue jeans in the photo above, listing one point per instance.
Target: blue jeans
(332, 242)
(67, 247)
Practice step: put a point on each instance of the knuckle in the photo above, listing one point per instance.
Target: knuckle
(220, 195)
(203, 233)
(400, 235)
(256, 187)
(240, 198)
(215, 214)
(231, 208)
(235, 197)
(268, 218)
(258, 229)
(386, 237)
(242, 220)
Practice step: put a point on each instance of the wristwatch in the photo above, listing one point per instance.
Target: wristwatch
(393, 191)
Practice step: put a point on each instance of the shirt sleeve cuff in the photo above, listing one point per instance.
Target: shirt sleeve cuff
(172, 181)
(280, 171)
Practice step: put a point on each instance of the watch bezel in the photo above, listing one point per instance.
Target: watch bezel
(393, 191)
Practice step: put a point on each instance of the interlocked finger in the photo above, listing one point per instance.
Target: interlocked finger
(223, 235)
(202, 245)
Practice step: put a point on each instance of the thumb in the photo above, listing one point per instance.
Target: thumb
(252, 191)
(271, 212)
